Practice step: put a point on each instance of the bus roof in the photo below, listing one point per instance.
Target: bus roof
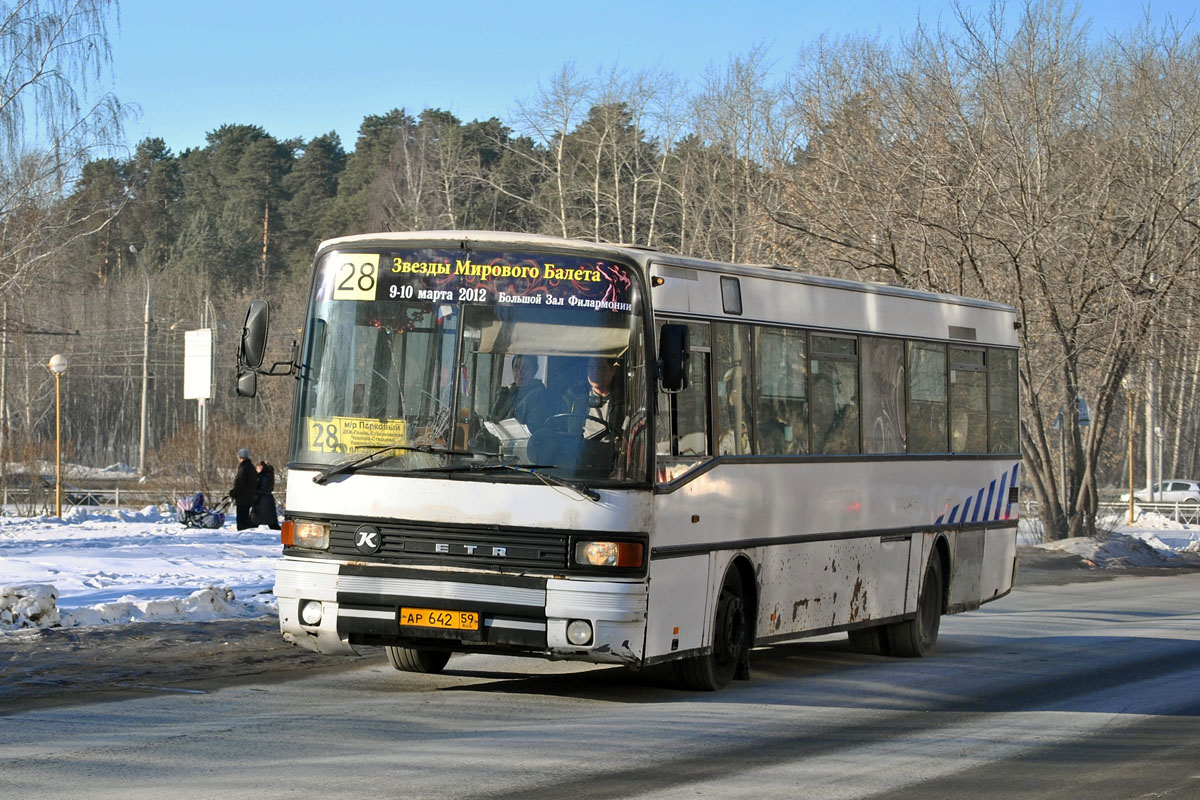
(645, 256)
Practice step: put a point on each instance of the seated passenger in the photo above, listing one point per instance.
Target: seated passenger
(526, 398)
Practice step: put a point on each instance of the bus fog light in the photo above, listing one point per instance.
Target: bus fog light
(579, 632)
(310, 612)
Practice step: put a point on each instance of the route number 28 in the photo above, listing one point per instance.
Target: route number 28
(356, 276)
(325, 437)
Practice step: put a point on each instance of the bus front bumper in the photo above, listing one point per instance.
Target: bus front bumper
(517, 614)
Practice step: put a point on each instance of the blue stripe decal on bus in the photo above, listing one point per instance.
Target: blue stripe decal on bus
(1003, 492)
(980, 510)
(1008, 508)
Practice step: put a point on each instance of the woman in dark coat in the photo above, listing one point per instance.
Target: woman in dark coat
(264, 505)
(245, 489)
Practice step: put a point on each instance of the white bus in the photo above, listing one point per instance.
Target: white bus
(544, 447)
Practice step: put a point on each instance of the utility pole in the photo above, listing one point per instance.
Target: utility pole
(145, 365)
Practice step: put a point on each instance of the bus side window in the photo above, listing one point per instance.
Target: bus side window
(927, 419)
(968, 401)
(735, 411)
(682, 428)
(834, 369)
(883, 395)
(1003, 405)
(691, 409)
(781, 371)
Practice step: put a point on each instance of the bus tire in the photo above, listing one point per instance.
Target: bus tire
(917, 637)
(715, 669)
(873, 640)
(416, 659)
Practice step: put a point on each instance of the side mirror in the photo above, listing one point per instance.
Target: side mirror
(247, 384)
(254, 336)
(673, 357)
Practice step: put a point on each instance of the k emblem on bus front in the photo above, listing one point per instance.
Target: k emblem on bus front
(367, 540)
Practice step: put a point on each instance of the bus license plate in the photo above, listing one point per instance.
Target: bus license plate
(442, 620)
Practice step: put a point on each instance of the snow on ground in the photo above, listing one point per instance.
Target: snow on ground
(96, 567)
(1154, 540)
(117, 566)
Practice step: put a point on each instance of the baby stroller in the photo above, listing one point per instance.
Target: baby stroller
(193, 514)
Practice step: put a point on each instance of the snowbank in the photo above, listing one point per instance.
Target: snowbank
(32, 606)
(118, 566)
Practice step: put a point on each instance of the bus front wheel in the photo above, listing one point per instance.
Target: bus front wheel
(415, 659)
(715, 669)
(917, 637)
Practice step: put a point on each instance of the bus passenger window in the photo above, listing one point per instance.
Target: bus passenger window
(682, 427)
(883, 395)
(781, 369)
(834, 367)
(927, 427)
(1002, 401)
(735, 412)
(968, 401)
(691, 409)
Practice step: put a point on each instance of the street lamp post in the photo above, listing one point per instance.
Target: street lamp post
(1158, 439)
(145, 365)
(1129, 384)
(58, 366)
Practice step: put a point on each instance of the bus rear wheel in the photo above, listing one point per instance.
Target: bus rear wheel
(416, 659)
(917, 637)
(872, 641)
(715, 669)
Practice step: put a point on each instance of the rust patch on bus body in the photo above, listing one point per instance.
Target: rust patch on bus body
(799, 604)
(858, 601)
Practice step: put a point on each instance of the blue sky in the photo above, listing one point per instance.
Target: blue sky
(303, 68)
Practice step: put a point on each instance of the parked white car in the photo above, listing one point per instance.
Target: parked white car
(1173, 490)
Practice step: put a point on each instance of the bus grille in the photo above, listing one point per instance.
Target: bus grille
(452, 545)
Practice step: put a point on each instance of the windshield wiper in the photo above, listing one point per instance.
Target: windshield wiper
(530, 469)
(355, 463)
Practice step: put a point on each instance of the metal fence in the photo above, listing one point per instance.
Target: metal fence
(32, 502)
(1182, 513)
(1114, 514)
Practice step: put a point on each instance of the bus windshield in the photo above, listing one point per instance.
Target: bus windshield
(462, 360)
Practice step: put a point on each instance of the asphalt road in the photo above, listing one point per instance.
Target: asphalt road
(1085, 689)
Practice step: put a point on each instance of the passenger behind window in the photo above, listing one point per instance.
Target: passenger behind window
(525, 399)
(737, 415)
(777, 430)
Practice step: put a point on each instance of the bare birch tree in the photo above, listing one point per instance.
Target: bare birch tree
(1025, 165)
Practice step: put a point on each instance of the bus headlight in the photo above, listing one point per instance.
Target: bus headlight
(303, 533)
(609, 554)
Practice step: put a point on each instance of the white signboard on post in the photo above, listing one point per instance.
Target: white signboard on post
(197, 364)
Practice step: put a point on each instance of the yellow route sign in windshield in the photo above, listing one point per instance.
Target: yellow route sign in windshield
(352, 434)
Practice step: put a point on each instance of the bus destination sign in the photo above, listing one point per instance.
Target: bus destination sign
(446, 276)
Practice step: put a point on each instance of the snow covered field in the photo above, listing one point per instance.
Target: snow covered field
(116, 566)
